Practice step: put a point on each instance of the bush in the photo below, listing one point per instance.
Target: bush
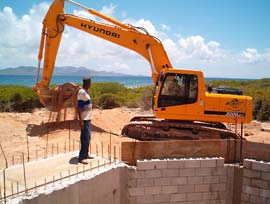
(108, 101)
(146, 99)
(18, 99)
(257, 105)
(264, 112)
(111, 95)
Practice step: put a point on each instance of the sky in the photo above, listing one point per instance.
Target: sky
(222, 38)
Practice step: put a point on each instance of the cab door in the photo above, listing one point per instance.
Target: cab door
(180, 96)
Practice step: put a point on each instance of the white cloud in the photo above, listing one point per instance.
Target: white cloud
(108, 10)
(251, 55)
(20, 36)
(165, 27)
(195, 47)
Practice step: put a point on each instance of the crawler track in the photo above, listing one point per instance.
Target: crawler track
(146, 128)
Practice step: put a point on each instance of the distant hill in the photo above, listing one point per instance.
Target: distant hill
(58, 71)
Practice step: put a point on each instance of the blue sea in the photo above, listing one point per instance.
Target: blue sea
(128, 81)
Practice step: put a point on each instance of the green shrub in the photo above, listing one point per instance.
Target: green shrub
(264, 112)
(111, 95)
(17, 99)
(108, 101)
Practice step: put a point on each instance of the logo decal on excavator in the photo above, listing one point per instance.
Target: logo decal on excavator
(235, 104)
(100, 30)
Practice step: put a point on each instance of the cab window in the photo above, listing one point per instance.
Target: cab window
(178, 89)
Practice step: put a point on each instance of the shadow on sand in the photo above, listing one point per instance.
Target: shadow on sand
(34, 130)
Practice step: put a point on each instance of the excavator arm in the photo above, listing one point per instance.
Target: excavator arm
(136, 39)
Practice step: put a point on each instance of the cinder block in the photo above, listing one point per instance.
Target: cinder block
(195, 180)
(210, 196)
(135, 174)
(219, 171)
(202, 188)
(217, 187)
(145, 199)
(259, 183)
(251, 173)
(223, 179)
(261, 166)
(192, 163)
(186, 188)
(145, 165)
(152, 173)
(162, 198)
(245, 197)
(132, 200)
(220, 162)
(187, 172)
(194, 196)
(152, 190)
(220, 202)
(265, 176)
(210, 179)
(169, 189)
(176, 164)
(250, 190)
(178, 197)
(136, 191)
(247, 164)
(179, 181)
(145, 182)
(257, 200)
(222, 195)
(203, 171)
(246, 181)
(161, 164)
(162, 181)
(132, 183)
(208, 163)
(170, 172)
(264, 193)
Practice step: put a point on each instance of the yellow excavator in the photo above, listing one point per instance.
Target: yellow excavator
(182, 108)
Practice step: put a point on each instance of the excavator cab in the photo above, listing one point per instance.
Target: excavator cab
(181, 94)
(178, 89)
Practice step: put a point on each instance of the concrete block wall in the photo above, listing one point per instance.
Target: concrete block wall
(182, 181)
(106, 187)
(256, 182)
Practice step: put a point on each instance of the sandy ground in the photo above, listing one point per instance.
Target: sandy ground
(22, 131)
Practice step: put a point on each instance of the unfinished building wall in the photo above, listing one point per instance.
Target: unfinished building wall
(256, 182)
(108, 187)
(179, 181)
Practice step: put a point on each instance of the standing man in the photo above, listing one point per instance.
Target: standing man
(85, 113)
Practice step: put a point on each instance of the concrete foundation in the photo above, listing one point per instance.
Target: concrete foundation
(182, 181)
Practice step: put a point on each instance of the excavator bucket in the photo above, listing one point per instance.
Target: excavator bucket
(58, 98)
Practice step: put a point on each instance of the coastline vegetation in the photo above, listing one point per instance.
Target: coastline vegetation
(106, 95)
